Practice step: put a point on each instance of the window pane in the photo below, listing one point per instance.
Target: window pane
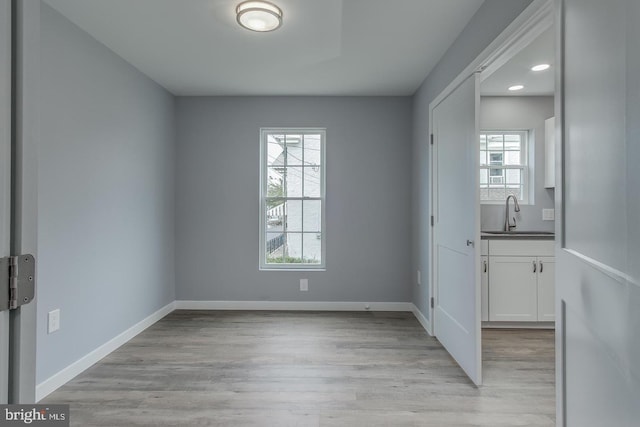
(312, 248)
(312, 153)
(483, 158)
(294, 215)
(275, 213)
(512, 142)
(495, 159)
(293, 248)
(514, 176)
(293, 176)
(275, 182)
(494, 142)
(495, 172)
(312, 215)
(275, 150)
(484, 177)
(294, 150)
(512, 158)
(274, 247)
(483, 142)
(312, 181)
(497, 194)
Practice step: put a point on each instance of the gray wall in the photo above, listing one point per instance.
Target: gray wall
(368, 198)
(488, 22)
(106, 195)
(521, 113)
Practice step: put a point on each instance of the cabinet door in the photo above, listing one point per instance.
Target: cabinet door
(513, 289)
(484, 286)
(546, 289)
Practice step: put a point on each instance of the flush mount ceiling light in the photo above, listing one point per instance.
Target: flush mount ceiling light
(540, 67)
(260, 16)
(516, 87)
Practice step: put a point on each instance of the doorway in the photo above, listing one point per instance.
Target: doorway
(504, 173)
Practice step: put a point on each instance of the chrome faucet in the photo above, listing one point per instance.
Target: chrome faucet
(516, 208)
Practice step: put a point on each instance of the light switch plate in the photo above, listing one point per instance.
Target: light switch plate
(548, 214)
(419, 278)
(54, 321)
(304, 285)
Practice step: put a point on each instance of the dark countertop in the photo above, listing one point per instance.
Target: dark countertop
(517, 235)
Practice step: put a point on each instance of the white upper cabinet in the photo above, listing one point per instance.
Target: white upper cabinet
(550, 153)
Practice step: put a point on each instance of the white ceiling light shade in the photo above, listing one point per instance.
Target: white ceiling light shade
(540, 67)
(261, 16)
(516, 87)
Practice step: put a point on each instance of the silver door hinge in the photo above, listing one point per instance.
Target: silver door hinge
(17, 281)
(433, 220)
(433, 302)
(431, 138)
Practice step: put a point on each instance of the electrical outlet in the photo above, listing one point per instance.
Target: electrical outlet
(304, 285)
(548, 214)
(419, 278)
(54, 321)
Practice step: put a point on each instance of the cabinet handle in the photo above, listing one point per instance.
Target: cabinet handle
(541, 267)
(534, 266)
(485, 266)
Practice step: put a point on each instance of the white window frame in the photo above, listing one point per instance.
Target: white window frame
(264, 132)
(524, 164)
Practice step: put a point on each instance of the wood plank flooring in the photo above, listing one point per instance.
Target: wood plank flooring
(225, 368)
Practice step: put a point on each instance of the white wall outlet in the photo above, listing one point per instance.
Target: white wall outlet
(419, 278)
(54, 321)
(304, 285)
(548, 214)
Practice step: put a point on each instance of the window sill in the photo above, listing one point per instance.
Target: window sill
(292, 269)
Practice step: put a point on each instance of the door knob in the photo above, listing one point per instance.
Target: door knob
(470, 243)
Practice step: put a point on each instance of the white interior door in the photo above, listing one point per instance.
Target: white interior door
(5, 180)
(598, 261)
(457, 227)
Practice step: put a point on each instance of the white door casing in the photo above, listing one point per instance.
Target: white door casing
(5, 179)
(598, 195)
(456, 229)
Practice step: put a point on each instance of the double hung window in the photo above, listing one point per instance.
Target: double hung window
(292, 188)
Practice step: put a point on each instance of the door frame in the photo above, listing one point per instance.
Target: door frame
(5, 180)
(24, 200)
(532, 22)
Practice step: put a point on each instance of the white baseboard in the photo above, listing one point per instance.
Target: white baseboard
(423, 320)
(67, 374)
(294, 305)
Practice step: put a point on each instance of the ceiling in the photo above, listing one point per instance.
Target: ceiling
(325, 47)
(517, 71)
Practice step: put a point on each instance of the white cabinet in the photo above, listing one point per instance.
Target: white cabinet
(484, 286)
(513, 289)
(520, 281)
(550, 153)
(546, 289)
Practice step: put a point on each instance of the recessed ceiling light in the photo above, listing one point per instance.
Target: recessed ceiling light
(260, 16)
(516, 87)
(540, 67)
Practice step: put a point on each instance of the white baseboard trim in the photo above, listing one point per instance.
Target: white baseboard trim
(56, 381)
(423, 320)
(294, 305)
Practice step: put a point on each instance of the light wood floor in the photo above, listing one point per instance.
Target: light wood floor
(197, 368)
